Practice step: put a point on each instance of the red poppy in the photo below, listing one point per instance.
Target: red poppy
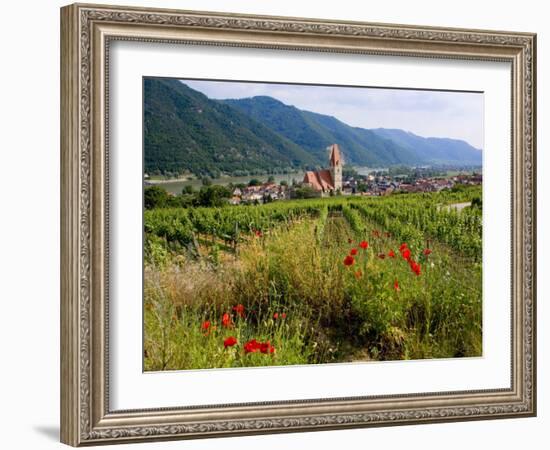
(396, 285)
(349, 260)
(427, 251)
(251, 346)
(205, 325)
(415, 267)
(402, 246)
(406, 253)
(276, 316)
(283, 315)
(353, 252)
(226, 320)
(229, 342)
(358, 274)
(258, 233)
(364, 245)
(266, 347)
(239, 309)
(391, 254)
(381, 255)
(254, 346)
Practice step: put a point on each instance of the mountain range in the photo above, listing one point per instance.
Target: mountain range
(184, 130)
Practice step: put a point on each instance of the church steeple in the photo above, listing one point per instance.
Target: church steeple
(335, 158)
(335, 161)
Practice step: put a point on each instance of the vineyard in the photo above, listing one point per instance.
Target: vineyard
(337, 279)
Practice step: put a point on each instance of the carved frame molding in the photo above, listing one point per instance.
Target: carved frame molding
(86, 33)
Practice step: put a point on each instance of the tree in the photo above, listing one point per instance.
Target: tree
(187, 190)
(254, 182)
(206, 181)
(271, 179)
(215, 195)
(155, 197)
(459, 188)
(305, 192)
(477, 203)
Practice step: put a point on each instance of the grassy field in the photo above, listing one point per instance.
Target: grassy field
(313, 281)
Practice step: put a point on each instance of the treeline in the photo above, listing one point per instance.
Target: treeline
(212, 195)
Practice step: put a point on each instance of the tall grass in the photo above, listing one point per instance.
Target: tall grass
(332, 312)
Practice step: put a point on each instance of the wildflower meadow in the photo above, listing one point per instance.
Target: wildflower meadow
(332, 280)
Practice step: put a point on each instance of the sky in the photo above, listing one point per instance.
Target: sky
(457, 115)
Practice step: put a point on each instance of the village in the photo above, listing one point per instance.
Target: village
(332, 181)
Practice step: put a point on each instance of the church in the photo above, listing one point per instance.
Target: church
(327, 180)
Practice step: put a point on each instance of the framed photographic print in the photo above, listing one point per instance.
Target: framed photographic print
(276, 224)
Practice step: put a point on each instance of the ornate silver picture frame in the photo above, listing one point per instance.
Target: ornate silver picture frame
(87, 32)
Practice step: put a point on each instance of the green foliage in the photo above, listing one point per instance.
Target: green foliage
(315, 132)
(458, 188)
(411, 218)
(175, 338)
(171, 226)
(290, 260)
(156, 251)
(354, 220)
(305, 192)
(180, 226)
(214, 195)
(408, 217)
(186, 131)
(155, 197)
(477, 203)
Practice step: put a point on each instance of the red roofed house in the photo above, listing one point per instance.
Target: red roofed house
(327, 180)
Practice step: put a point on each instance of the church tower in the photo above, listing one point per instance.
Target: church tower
(335, 160)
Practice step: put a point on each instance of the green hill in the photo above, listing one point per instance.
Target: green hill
(186, 131)
(314, 132)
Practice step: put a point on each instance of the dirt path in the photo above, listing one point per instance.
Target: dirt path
(337, 232)
(458, 206)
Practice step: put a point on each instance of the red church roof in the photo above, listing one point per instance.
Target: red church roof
(320, 180)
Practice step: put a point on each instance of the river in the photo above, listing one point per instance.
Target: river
(176, 186)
